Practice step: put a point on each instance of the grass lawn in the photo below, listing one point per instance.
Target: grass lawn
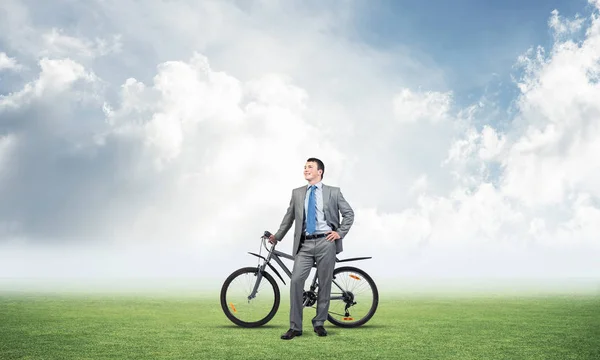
(96, 326)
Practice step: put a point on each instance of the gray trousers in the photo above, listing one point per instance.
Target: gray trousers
(322, 252)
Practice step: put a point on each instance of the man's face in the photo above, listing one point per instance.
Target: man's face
(310, 171)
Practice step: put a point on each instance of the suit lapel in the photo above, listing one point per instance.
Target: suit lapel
(300, 194)
(326, 195)
(300, 198)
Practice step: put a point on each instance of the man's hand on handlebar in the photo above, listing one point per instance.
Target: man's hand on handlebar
(272, 239)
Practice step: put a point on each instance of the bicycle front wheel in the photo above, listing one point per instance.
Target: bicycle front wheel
(249, 312)
(354, 297)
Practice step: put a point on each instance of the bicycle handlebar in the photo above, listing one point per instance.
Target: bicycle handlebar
(264, 237)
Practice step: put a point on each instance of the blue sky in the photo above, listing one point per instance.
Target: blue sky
(475, 42)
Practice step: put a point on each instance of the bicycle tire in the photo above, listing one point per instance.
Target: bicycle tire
(226, 308)
(374, 304)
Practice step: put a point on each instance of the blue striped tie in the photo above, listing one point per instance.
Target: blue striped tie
(311, 217)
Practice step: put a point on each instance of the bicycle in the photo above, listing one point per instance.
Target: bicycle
(354, 295)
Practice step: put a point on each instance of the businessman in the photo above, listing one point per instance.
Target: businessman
(315, 208)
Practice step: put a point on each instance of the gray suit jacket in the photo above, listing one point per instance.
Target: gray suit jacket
(333, 204)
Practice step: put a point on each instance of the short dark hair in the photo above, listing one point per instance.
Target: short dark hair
(320, 165)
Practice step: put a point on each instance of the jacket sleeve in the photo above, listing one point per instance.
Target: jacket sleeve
(288, 220)
(347, 215)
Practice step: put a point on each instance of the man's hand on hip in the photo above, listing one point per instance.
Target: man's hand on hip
(332, 236)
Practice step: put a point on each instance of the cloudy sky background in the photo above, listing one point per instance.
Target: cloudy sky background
(161, 141)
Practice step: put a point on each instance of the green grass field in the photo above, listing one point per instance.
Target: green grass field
(96, 326)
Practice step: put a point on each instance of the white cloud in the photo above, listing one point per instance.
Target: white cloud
(212, 140)
(8, 63)
(56, 76)
(564, 27)
(183, 95)
(422, 106)
(492, 143)
(57, 43)
(554, 157)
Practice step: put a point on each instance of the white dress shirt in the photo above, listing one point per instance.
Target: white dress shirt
(322, 226)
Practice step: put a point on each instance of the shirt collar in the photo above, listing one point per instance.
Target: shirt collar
(319, 185)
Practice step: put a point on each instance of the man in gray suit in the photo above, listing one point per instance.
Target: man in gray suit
(318, 238)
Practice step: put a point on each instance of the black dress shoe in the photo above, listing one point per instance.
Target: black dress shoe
(290, 334)
(320, 331)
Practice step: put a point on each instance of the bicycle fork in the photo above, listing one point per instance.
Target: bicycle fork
(259, 276)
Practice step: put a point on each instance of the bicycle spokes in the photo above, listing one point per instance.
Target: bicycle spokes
(354, 297)
(243, 309)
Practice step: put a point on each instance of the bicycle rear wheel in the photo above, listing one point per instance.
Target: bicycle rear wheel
(354, 297)
(249, 312)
